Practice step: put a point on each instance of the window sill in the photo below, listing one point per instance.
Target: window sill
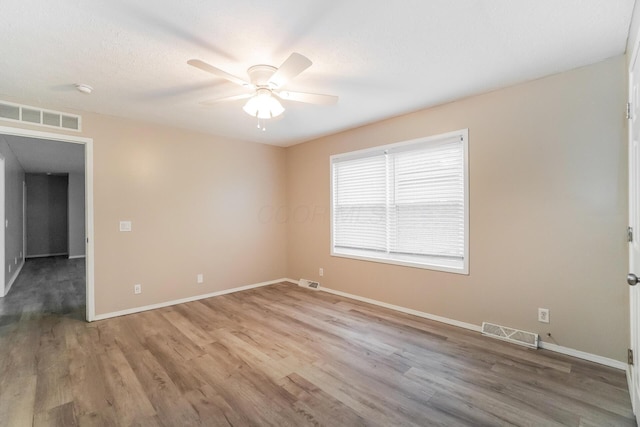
(436, 264)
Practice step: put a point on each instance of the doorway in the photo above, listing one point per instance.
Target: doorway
(49, 140)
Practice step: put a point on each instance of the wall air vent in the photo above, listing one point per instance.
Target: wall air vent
(308, 284)
(39, 117)
(528, 339)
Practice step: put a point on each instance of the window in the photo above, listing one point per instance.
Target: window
(404, 203)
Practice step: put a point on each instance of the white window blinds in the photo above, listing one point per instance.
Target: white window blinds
(403, 203)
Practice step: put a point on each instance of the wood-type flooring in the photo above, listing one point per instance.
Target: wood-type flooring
(278, 355)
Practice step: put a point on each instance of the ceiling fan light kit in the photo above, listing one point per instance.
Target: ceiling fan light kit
(265, 81)
(263, 105)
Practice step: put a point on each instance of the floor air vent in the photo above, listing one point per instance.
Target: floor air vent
(38, 116)
(528, 339)
(308, 284)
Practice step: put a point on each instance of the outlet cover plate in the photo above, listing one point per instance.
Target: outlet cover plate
(543, 315)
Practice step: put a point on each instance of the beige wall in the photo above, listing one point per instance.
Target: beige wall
(195, 203)
(14, 177)
(547, 211)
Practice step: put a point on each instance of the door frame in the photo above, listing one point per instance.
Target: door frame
(88, 181)
(634, 333)
(3, 228)
(24, 219)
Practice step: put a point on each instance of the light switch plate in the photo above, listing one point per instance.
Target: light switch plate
(125, 225)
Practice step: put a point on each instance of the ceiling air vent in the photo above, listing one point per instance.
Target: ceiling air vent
(38, 116)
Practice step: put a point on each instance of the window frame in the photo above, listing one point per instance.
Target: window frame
(396, 259)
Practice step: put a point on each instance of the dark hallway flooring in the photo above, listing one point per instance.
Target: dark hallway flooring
(54, 285)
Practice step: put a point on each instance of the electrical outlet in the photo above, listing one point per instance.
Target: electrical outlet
(321, 272)
(15, 260)
(200, 278)
(137, 289)
(9, 267)
(543, 315)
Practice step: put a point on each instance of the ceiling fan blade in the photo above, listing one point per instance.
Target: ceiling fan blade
(310, 98)
(217, 72)
(294, 65)
(228, 98)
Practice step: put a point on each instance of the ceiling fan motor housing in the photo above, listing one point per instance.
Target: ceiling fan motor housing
(259, 75)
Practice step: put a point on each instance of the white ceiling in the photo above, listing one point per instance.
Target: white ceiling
(38, 156)
(382, 58)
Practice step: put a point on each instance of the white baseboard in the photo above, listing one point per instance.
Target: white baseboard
(547, 346)
(188, 299)
(13, 278)
(634, 407)
(584, 355)
(406, 310)
(46, 255)
(77, 256)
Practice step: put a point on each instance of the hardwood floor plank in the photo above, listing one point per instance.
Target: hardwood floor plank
(252, 356)
(190, 330)
(319, 407)
(167, 399)
(63, 415)
(474, 385)
(130, 399)
(183, 375)
(468, 413)
(599, 398)
(237, 379)
(213, 410)
(18, 398)
(366, 402)
(242, 388)
(19, 374)
(53, 387)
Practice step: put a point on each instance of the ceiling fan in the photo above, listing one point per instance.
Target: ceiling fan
(265, 83)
